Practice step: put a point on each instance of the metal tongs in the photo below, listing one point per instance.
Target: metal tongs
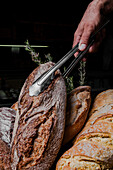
(45, 79)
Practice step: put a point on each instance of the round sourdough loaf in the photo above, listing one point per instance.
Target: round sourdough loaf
(39, 124)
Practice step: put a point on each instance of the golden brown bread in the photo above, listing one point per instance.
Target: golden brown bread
(93, 147)
(78, 104)
(39, 124)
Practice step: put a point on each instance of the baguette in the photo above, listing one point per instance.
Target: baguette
(78, 104)
(93, 147)
(39, 124)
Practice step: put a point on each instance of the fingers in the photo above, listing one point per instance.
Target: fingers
(88, 29)
(83, 38)
(77, 37)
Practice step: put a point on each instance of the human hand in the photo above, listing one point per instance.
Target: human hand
(89, 24)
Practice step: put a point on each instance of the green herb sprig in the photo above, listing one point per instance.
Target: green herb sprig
(37, 59)
(82, 72)
(35, 56)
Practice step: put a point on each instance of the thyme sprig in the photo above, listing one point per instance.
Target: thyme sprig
(82, 72)
(37, 59)
(35, 56)
(69, 83)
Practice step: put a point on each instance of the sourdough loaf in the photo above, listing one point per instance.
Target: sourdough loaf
(5, 162)
(39, 124)
(93, 147)
(78, 104)
(7, 117)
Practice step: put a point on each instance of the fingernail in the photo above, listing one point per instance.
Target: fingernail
(82, 47)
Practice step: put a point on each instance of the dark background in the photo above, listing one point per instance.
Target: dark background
(52, 24)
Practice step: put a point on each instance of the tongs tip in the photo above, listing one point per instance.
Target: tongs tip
(34, 89)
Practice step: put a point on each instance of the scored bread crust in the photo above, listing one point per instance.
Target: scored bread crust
(78, 104)
(5, 162)
(93, 147)
(7, 118)
(39, 124)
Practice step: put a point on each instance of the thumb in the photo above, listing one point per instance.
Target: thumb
(85, 38)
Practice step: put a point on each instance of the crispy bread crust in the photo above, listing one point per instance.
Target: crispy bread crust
(93, 146)
(5, 162)
(78, 104)
(39, 124)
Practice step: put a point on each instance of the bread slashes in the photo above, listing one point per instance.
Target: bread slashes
(39, 124)
(7, 117)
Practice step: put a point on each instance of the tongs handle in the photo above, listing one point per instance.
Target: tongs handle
(82, 53)
(76, 60)
(39, 85)
(65, 58)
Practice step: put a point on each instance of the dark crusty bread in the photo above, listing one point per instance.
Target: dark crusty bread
(78, 104)
(93, 147)
(39, 124)
(5, 163)
(7, 118)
